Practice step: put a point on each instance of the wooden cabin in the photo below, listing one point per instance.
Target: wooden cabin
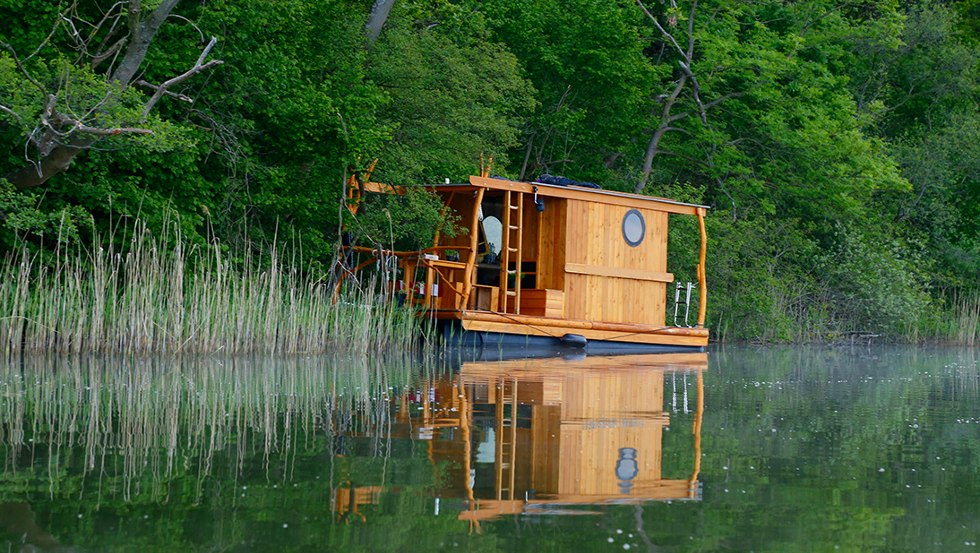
(553, 264)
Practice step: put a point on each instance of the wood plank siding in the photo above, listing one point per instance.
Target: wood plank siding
(610, 280)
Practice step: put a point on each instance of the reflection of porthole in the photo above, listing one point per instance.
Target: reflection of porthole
(634, 228)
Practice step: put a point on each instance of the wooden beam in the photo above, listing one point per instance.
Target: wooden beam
(702, 279)
(585, 194)
(469, 277)
(382, 188)
(614, 272)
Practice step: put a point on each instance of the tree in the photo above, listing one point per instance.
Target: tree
(75, 104)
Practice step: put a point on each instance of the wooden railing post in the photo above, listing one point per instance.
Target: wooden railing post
(469, 275)
(702, 279)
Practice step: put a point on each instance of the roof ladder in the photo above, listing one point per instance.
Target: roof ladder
(510, 250)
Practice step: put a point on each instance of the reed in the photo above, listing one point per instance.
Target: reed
(960, 321)
(164, 295)
(954, 320)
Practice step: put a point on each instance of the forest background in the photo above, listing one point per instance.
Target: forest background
(837, 142)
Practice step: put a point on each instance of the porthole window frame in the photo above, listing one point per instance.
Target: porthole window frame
(643, 227)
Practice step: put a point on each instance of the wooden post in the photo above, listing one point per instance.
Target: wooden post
(469, 277)
(702, 279)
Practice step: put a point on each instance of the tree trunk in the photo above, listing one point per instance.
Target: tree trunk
(379, 15)
(52, 164)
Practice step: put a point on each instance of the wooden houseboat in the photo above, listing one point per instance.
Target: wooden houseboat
(544, 264)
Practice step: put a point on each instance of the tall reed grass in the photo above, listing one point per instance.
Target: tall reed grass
(163, 295)
(956, 322)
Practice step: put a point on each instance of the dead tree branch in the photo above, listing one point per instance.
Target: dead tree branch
(199, 66)
(168, 93)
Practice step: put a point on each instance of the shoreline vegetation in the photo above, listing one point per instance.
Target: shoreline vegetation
(163, 295)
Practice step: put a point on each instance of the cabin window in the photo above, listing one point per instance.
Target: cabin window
(634, 228)
(493, 230)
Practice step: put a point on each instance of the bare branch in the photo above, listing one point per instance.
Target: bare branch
(113, 131)
(696, 90)
(12, 113)
(110, 14)
(207, 50)
(80, 43)
(663, 31)
(181, 97)
(21, 68)
(191, 23)
(47, 39)
(199, 66)
(108, 53)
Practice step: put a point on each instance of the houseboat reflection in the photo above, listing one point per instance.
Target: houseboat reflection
(552, 435)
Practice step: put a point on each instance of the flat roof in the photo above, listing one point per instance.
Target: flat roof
(577, 193)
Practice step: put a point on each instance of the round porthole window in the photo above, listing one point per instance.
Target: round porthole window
(634, 228)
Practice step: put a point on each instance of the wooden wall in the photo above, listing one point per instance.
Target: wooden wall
(606, 279)
(551, 243)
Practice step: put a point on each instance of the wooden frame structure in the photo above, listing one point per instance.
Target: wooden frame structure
(567, 261)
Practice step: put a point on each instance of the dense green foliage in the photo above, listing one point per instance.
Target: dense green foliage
(836, 141)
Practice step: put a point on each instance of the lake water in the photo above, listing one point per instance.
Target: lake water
(740, 449)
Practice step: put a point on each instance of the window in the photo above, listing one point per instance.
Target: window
(634, 228)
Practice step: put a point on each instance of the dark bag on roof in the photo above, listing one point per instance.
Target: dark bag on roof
(562, 181)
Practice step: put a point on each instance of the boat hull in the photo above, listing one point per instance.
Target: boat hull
(567, 337)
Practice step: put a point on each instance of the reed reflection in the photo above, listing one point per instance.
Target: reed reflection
(138, 423)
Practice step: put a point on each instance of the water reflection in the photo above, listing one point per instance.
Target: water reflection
(506, 437)
(545, 435)
(141, 423)
(804, 450)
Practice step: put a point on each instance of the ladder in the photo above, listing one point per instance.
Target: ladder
(506, 439)
(510, 250)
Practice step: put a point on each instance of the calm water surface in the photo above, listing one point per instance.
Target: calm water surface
(740, 449)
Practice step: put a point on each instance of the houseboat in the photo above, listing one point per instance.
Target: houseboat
(554, 262)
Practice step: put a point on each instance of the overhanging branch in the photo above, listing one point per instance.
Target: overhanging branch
(199, 66)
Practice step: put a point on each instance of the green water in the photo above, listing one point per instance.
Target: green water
(800, 450)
